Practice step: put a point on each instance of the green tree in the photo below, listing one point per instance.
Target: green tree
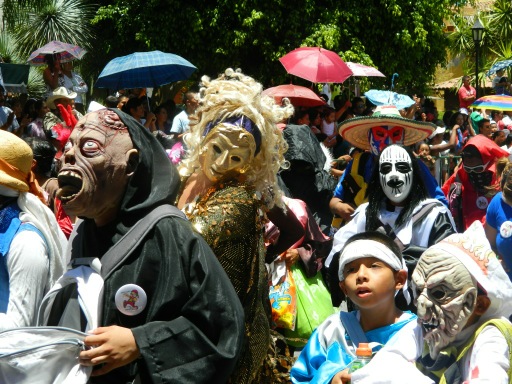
(396, 36)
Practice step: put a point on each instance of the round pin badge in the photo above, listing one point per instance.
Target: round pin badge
(506, 229)
(482, 202)
(131, 299)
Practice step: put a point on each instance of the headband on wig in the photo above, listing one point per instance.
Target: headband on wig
(238, 121)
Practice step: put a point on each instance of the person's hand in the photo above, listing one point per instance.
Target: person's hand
(151, 117)
(341, 377)
(112, 346)
(348, 104)
(344, 210)
(290, 257)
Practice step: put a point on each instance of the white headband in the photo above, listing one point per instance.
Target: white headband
(369, 248)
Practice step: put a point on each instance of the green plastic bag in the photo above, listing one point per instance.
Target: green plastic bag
(313, 306)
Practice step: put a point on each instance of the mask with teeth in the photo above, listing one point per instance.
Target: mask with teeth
(445, 295)
(97, 163)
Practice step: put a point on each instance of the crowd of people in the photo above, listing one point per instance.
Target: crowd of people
(173, 234)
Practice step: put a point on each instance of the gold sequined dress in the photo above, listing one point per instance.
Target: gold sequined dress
(230, 219)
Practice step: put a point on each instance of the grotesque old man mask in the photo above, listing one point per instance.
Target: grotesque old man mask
(98, 161)
(459, 282)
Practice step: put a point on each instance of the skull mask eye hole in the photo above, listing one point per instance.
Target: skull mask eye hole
(437, 294)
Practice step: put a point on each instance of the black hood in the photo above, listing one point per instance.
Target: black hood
(154, 182)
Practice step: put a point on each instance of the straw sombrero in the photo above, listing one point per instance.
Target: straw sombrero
(15, 161)
(355, 130)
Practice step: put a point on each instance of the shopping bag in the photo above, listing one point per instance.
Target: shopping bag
(313, 306)
(42, 355)
(283, 298)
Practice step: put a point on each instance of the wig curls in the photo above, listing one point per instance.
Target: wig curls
(228, 98)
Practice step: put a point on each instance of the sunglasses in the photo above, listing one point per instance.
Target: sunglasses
(476, 168)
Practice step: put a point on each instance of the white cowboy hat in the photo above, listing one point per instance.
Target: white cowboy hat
(59, 93)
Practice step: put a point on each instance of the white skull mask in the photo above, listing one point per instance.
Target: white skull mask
(395, 167)
(445, 295)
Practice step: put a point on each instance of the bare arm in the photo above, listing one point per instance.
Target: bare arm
(51, 78)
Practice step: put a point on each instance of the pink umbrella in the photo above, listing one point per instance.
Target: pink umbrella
(361, 70)
(67, 52)
(316, 64)
(299, 96)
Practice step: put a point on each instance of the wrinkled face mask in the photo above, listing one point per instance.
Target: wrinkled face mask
(445, 295)
(94, 175)
(381, 137)
(395, 167)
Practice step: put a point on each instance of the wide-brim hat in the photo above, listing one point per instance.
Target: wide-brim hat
(59, 93)
(355, 130)
(15, 161)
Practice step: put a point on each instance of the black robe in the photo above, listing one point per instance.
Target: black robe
(192, 328)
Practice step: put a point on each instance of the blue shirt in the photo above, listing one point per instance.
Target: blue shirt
(499, 212)
(318, 362)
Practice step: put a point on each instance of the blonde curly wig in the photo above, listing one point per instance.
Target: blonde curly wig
(235, 94)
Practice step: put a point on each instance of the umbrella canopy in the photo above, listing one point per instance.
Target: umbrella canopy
(360, 70)
(299, 96)
(144, 70)
(498, 66)
(497, 102)
(316, 64)
(68, 52)
(389, 98)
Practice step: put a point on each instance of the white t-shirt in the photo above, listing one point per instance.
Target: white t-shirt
(327, 128)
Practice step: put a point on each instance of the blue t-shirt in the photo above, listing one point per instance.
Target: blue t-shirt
(499, 212)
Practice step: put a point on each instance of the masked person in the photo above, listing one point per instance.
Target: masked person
(464, 299)
(477, 176)
(398, 205)
(373, 134)
(230, 181)
(31, 243)
(189, 326)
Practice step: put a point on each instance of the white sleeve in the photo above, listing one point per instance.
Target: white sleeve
(489, 359)
(395, 362)
(28, 268)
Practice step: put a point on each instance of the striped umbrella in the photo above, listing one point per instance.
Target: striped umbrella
(68, 52)
(496, 102)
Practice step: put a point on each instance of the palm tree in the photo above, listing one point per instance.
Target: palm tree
(500, 20)
(33, 23)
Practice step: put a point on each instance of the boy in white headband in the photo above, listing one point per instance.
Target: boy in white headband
(371, 271)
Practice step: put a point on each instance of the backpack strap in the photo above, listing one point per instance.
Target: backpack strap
(353, 328)
(504, 327)
(121, 250)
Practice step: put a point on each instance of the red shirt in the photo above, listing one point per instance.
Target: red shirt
(465, 92)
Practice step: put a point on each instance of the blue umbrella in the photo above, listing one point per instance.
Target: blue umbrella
(498, 66)
(144, 70)
(389, 98)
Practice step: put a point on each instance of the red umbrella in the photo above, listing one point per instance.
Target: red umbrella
(299, 96)
(316, 64)
(361, 70)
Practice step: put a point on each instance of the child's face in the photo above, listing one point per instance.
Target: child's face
(330, 117)
(370, 282)
(424, 150)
